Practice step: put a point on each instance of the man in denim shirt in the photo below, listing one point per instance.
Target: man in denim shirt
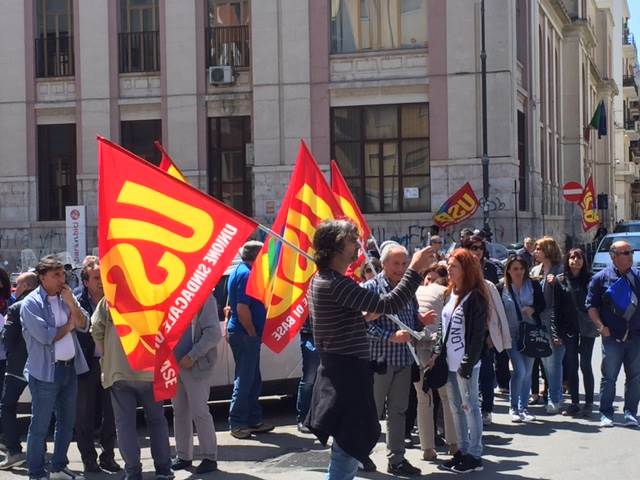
(49, 315)
(620, 338)
(388, 346)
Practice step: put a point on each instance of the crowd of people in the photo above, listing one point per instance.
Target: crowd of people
(420, 341)
(445, 330)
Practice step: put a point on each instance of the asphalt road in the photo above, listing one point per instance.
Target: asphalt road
(554, 447)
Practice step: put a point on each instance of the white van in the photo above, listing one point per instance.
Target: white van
(602, 259)
(280, 372)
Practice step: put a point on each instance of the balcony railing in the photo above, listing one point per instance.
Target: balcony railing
(228, 46)
(634, 150)
(139, 52)
(54, 56)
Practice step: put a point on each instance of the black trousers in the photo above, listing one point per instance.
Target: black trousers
(13, 388)
(94, 407)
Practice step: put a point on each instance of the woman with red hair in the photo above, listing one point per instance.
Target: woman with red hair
(462, 340)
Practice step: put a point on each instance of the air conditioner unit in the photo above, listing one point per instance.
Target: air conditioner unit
(221, 75)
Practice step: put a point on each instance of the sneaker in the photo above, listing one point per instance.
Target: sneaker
(630, 420)
(207, 466)
(368, 466)
(572, 410)
(165, 476)
(515, 416)
(453, 461)
(526, 416)
(535, 399)
(261, 428)
(468, 464)
(110, 465)
(303, 429)
(429, 455)
(14, 460)
(605, 422)
(65, 474)
(552, 408)
(180, 464)
(404, 468)
(241, 433)
(486, 419)
(586, 409)
(503, 391)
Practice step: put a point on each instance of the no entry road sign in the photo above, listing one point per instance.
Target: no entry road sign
(572, 192)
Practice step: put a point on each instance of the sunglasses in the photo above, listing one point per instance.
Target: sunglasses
(475, 248)
(626, 253)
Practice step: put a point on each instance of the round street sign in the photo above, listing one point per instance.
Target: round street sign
(572, 192)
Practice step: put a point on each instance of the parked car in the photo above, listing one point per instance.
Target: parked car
(627, 226)
(602, 259)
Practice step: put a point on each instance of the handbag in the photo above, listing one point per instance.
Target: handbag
(532, 339)
(437, 375)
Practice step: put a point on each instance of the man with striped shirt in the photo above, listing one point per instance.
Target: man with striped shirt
(389, 348)
(342, 404)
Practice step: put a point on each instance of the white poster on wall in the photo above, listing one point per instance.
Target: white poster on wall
(76, 230)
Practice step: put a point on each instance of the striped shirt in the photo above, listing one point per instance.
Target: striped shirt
(336, 304)
(382, 329)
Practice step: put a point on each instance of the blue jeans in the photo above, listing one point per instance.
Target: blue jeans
(520, 383)
(342, 466)
(614, 355)
(245, 410)
(310, 363)
(487, 380)
(465, 407)
(13, 388)
(125, 395)
(553, 369)
(57, 397)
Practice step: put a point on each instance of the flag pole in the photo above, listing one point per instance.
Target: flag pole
(291, 245)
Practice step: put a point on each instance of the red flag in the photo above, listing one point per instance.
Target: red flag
(460, 206)
(280, 275)
(350, 210)
(590, 217)
(167, 165)
(163, 247)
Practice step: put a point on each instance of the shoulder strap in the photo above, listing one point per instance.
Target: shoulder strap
(515, 300)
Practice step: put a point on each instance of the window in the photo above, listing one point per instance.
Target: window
(383, 153)
(522, 161)
(56, 170)
(228, 33)
(138, 37)
(377, 25)
(138, 136)
(229, 175)
(54, 38)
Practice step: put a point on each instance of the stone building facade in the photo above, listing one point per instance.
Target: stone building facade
(390, 88)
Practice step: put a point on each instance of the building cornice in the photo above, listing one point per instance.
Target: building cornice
(560, 10)
(583, 30)
(608, 87)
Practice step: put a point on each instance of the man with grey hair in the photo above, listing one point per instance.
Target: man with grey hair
(244, 333)
(618, 321)
(14, 382)
(389, 351)
(526, 252)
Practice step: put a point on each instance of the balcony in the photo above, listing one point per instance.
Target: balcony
(634, 151)
(629, 84)
(228, 46)
(139, 52)
(54, 56)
